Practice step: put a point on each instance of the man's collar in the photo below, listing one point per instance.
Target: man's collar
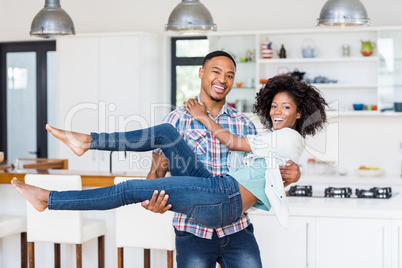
(224, 109)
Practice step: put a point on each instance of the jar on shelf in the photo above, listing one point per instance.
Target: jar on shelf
(266, 50)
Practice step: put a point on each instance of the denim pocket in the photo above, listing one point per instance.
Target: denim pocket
(208, 216)
(249, 229)
(197, 140)
(182, 234)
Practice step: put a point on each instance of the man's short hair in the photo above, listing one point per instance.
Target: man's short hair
(218, 53)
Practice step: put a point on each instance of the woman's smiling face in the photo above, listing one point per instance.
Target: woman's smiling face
(283, 111)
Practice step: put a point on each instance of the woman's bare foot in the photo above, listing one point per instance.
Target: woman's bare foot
(78, 142)
(38, 197)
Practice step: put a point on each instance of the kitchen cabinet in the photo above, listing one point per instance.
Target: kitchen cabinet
(396, 243)
(359, 79)
(350, 242)
(390, 68)
(285, 248)
(107, 83)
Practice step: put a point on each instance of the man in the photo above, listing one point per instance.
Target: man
(197, 246)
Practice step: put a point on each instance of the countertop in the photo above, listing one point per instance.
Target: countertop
(89, 178)
(346, 207)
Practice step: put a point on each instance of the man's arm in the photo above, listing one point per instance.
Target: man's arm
(290, 173)
(159, 168)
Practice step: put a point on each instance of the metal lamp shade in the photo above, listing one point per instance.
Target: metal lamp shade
(343, 13)
(52, 20)
(190, 16)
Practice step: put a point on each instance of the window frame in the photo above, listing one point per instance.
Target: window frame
(40, 48)
(177, 61)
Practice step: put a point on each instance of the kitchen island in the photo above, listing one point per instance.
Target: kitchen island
(335, 232)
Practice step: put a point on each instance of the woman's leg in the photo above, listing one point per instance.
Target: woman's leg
(212, 202)
(182, 160)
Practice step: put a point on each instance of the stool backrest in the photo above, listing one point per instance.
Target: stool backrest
(49, 225)
(138, 227)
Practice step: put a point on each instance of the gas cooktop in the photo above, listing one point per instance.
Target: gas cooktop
(341, 192)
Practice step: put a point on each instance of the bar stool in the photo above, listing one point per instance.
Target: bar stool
(10, 225)
(140, 228)
(61, 226)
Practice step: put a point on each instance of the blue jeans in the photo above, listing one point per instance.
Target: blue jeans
(212, 201)
(237, 250)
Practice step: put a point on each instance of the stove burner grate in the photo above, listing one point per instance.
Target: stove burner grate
(344, 192)
(375, 192)
(301, 190)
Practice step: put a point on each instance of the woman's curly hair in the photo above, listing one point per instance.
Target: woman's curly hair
(308, 99)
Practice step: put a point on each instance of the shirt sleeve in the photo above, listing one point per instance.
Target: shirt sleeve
(250, 127)
(284, 143)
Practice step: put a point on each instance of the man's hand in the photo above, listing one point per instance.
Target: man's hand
(159, 167)
(290, 173)
(157, 203)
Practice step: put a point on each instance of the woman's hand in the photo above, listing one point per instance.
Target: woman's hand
(196, 109)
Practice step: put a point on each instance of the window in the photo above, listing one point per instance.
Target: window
(27, 80)
(187, 56)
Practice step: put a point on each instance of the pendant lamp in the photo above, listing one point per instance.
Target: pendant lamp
(190, 16)
(343, 13)
(52, 20)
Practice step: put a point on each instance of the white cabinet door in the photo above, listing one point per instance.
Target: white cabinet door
(78, 94)
(396, 243)
(281, 248)
(119, 91)
(347, 242)
(111, 83)
(130, 83)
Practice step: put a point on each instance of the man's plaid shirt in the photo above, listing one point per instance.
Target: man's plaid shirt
(213, 155)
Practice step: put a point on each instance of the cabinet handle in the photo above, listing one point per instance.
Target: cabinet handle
(383, 247)
(307, 244)
(399, 247)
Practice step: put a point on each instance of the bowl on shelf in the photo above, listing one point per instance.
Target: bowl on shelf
(398, 106)
(240, 84)
(358, 106)
(369, 172)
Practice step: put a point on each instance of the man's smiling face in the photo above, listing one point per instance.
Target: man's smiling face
(217, 77)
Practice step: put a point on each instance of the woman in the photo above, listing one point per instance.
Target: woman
(291, 109)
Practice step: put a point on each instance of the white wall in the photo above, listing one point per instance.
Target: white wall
(151, 15)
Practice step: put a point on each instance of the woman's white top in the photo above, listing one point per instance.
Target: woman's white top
(258, 171)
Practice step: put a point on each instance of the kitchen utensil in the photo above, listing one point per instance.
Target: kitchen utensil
(283, 70)
(398, 106)
(1, 157)
(369, 172)
(367, 48)
(297, 75)
(308, 48)
(282, 52)
(358, 106)
(345, 50)
(266, 50)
